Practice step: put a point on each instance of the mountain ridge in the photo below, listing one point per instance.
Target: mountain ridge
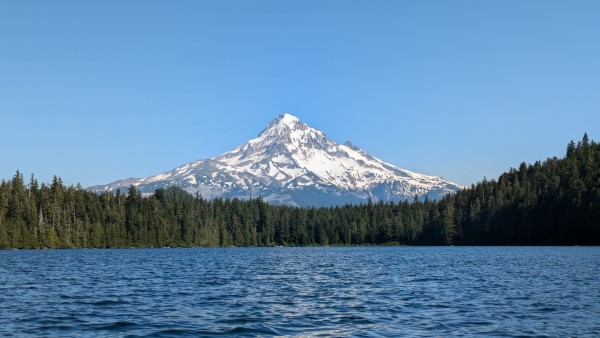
(290, 162)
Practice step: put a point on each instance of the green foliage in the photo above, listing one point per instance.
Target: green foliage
(554, 202)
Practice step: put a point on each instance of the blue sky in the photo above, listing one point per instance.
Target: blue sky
(95, 91)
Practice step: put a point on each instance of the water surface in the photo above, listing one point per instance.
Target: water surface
(334, 291)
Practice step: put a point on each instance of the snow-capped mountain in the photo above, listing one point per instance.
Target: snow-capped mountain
(292, 163)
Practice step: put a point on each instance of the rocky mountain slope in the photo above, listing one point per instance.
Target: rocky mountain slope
(292, 163)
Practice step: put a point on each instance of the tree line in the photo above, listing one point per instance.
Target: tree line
(555, 202)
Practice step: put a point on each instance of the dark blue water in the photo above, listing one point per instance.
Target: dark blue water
(356, 291)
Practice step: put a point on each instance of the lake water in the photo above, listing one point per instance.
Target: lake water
(345, 291)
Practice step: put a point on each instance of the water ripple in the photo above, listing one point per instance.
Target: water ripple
(363, 292)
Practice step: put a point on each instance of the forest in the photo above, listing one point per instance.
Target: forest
(554, 202)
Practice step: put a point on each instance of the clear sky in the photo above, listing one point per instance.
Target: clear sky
(95, 91)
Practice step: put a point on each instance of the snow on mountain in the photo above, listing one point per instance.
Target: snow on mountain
(292, 163)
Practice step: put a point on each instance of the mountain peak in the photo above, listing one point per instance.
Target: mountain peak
(292, 163)
(284, 122)
(287, 119)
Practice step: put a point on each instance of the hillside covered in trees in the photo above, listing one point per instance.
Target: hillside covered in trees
(555, 202)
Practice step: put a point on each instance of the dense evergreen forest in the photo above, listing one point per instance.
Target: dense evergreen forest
(555, 202)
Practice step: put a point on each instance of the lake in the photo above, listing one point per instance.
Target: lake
(320, 291)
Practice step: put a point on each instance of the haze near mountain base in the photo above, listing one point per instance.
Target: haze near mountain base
(292, 163)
